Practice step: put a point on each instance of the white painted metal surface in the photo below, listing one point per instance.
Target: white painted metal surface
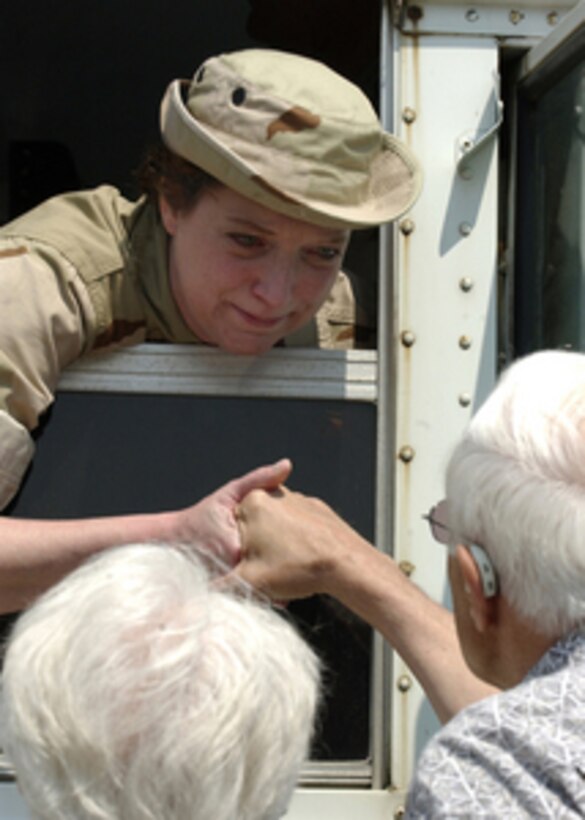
(444, 308)
(11, 804)
(345, 805)
(567, 27)
(481, 19)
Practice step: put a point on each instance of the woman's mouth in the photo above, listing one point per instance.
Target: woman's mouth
(260, 322)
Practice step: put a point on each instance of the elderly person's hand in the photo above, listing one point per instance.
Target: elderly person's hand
(294, 546)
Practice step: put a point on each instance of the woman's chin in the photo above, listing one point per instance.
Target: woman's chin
(248, 345)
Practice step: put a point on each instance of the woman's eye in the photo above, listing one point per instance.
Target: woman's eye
(326, 254)
(245, 240)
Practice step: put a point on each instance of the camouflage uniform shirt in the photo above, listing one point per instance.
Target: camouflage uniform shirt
(87, 271)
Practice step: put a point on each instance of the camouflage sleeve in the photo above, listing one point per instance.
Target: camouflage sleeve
(17, 450)
(44, 312)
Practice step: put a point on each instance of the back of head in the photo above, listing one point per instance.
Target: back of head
(136, 689)
(516, 485)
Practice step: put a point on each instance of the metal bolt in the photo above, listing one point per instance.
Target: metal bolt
(472, 15)
(404, 683)
(409, 115)
(414, 13)
(466, 284)
(466, 172)
(465, 342)
(516, 16)
(407, 338)
(407, 567)
(464, 399)
(407, 226)
(406, 453)
(552, 18)
(465, 229)
(399, 813)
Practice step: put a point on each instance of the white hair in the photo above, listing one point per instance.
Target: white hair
(139, 689)
(516, 485)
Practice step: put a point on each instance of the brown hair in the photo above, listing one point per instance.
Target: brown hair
(179, 181)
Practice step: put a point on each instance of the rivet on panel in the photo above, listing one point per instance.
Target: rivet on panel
(466, 172)
(399, 813)
(408, 115)
(464, 399)
(407, 226)
(472, 15)
(516, 16)
(466, 284)
(404, 683)
(406, 453)
(552, 18)
(407, 338)
(407, 567)
(464, 342)
(465, 229)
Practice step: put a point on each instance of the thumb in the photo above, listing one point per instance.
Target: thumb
(268, 477)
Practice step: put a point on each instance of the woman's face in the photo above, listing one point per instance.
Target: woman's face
(244, 276)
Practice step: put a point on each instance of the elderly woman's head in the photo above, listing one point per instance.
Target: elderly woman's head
(136, 688)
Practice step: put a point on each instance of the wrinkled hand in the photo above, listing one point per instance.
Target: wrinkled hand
(212, 523)
(290, 543)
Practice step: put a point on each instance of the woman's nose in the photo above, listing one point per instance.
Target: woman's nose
(274, 283)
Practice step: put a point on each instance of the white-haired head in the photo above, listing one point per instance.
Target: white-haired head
(136, 689)
(516, 485)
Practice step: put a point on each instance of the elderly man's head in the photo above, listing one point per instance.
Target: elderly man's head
(136, 688)
(516, 486)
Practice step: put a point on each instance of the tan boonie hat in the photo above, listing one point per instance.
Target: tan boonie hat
(293, 135)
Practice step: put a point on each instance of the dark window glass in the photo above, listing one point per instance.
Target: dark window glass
(108, 454)
(550, 260)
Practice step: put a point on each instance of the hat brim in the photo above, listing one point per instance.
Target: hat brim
(395, 178)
